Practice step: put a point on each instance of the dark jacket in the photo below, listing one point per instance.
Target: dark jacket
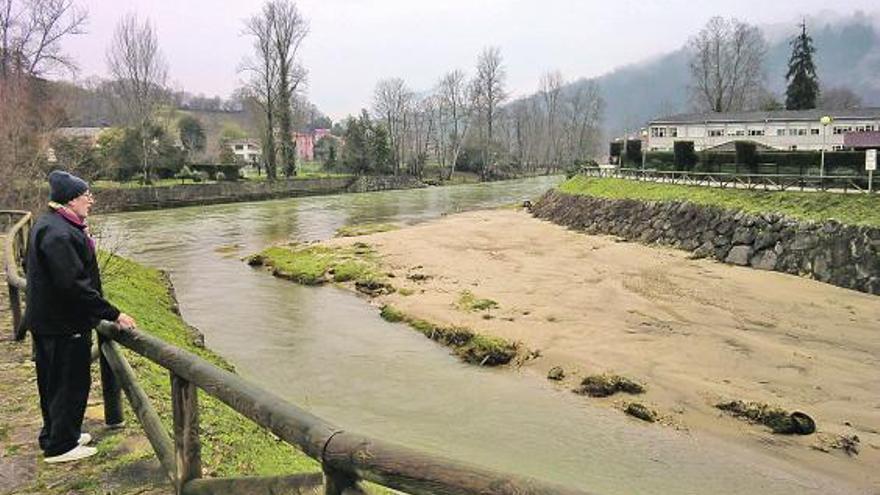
(64, 294)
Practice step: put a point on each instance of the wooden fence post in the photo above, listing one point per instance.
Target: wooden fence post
(339, 482)
(15, 307)
(187, 446)
(111, 389)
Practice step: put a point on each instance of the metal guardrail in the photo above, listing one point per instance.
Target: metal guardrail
(346, 458)
(767, 182)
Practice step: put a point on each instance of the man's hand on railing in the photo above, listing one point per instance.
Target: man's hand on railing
(125, 322)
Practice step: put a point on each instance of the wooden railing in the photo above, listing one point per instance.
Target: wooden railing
(17, 225)
(768, 182)
(346, 458)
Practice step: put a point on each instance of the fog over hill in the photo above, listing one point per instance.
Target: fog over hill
(847, 54)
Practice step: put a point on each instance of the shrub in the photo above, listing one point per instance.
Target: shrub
(634, 152)
(747, 155)
(683, 155)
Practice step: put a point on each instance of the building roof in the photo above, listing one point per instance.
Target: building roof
(862, 139)
(768, 116)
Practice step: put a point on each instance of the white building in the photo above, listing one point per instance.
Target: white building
(779, 130)
(247, 150)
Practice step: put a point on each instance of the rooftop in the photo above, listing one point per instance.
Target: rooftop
(768, 116)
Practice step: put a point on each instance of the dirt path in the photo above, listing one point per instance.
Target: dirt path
(696, 332)
(125, 463)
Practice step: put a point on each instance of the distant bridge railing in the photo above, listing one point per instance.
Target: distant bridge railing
(346, 458)
(766, 182)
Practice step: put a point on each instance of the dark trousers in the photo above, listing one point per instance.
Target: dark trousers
(63, 378)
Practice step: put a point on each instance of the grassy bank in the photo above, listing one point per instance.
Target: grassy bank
(853, 209)
(231, 444)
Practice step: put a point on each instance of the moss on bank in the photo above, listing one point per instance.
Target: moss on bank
(364, 229)
(853, 209)
(231, 444)
(316, 265)
(471, 347)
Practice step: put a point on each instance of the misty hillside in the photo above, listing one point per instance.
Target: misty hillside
(847, 54)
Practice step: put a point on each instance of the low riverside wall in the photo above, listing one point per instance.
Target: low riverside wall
(843, 255)
(146, 198)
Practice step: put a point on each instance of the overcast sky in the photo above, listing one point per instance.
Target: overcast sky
(354, 43)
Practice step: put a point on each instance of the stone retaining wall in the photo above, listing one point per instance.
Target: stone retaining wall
(146, 198)
(843, 255)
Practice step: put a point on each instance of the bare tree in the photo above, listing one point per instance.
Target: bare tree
(31, 34)
(276, 75)
(455, 112)
(727, 65)
(263, 69)
(838, 98)
(139, 74)
(550, 88)
(289, 29)
(392, 99)
(488, 93)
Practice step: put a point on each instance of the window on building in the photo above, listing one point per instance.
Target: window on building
(736, 132)
(839, 129)
(814, 132)
(716, 132)
(658, 132)
(673, 132)
(756, 132)
(837, 147)
(780, 132)
(792, 147)
(239, 147)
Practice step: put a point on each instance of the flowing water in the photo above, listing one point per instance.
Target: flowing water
(329, 351)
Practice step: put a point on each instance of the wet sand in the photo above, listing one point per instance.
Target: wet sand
(695, 332)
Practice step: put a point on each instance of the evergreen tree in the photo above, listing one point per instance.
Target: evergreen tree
(803, 85)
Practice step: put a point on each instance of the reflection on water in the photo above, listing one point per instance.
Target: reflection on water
(328, 350)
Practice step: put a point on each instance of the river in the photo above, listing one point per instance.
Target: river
(328, 351)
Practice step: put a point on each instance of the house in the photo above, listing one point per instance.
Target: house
(88, 135)
(777, 130)
(306, 141)
(247, 150)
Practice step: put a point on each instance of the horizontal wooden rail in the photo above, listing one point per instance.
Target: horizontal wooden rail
(297, 484)
(341, 453)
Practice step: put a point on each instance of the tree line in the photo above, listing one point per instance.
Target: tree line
(468, 123)
(727, 72)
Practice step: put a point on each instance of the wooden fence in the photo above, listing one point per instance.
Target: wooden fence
(767, 182)
(346, 458)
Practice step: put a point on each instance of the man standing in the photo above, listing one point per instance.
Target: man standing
(64, 302)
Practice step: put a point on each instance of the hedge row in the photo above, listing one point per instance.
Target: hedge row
(763, 162)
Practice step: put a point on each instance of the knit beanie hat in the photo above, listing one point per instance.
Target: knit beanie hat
(64, 186)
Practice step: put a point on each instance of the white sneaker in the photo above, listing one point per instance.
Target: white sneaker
(84, 439)
(74, 454)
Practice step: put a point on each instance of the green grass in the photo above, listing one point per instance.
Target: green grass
(231, 444)
(467, 301)
(315, 265)
(364, 229)
(112, 184)
(853, 209)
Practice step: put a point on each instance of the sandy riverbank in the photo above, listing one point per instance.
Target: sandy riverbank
(696, 332)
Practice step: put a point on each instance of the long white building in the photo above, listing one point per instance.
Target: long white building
(779, 130)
